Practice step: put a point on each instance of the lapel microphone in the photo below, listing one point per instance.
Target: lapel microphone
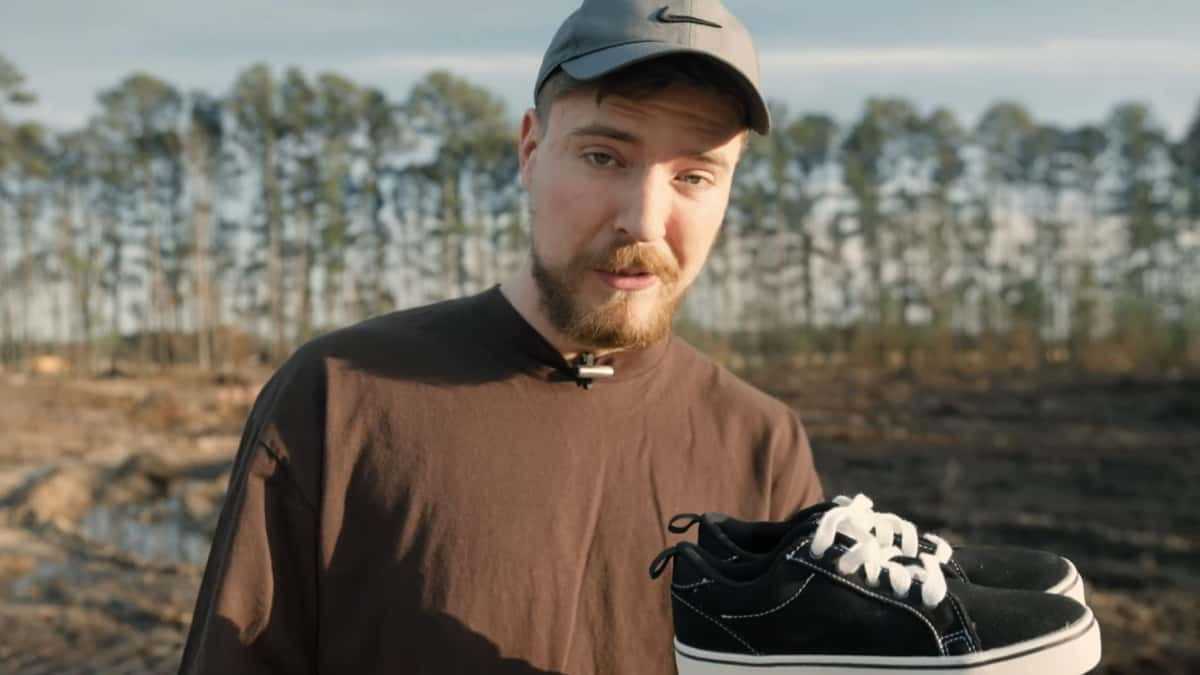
(586, 370)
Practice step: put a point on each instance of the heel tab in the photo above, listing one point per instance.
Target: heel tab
(690, 518)
(659, 564)
(684, 552)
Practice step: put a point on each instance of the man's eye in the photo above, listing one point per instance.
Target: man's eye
(694, 179)
(599, 158)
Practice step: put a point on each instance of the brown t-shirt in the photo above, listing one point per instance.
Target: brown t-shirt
(431, 491)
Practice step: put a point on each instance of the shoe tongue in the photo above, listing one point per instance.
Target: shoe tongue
(803, 524)
(812, 513)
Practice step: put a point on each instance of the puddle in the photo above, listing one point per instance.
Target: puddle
(157, 532)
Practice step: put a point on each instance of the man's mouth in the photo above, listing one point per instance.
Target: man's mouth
(628, 278)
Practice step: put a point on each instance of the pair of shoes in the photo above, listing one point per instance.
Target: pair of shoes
(840, 588)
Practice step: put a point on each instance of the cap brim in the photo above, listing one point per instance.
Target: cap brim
(604, 61)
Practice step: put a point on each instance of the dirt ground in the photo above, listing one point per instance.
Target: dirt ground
(110, 489)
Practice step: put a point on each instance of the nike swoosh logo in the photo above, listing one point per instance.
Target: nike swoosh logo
(664, 16)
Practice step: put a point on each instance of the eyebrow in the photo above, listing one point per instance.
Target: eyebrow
(616, 134)
(605, 131)
(710, 158)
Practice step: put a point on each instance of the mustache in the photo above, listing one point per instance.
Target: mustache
(645, 258)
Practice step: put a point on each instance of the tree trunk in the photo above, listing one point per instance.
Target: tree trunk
(70, 266)
(450, 247)
(7, 345)
(115, 296)
(307, 262)
(25, 265)
(807, 281)
(83, 297)
(155, 318)
(274, 204)
(202, 278)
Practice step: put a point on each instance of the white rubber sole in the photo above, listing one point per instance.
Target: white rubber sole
(1071, 586)
(1071, 651)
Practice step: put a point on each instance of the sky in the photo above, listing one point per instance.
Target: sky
(1068, 61)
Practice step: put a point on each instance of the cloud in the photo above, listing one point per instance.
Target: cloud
(515, 63)
(1161, 56)
(1075, 54)
(1065, 80)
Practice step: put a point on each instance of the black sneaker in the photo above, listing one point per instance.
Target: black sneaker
(997, 566)
(829, 599)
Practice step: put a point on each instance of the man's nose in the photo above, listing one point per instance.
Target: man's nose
(647, 209)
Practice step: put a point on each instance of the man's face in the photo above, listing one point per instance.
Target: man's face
(627, 197)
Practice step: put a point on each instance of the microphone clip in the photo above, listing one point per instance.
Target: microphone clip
(586, 370)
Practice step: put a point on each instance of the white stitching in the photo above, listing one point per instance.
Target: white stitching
(684, 587)
(962, 574)
(774, 609)
(796, 550)
(936, 637)
(962, 621)
(718, 623)
(959, 638)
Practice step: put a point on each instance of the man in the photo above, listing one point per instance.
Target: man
(476, 486)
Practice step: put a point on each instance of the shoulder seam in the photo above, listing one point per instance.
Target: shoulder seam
(282, 461)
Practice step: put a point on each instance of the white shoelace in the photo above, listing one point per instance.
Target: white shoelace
(887, 525)
(854, 518)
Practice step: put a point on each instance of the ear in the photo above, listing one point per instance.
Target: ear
(528, 144)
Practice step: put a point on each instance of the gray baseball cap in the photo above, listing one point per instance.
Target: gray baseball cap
(606, 35)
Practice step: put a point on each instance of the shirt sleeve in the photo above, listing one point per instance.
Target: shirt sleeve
(795, 483)
(256, 611)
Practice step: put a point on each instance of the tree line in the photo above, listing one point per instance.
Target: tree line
(204, 228)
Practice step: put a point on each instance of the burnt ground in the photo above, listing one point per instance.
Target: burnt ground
(1104, 470)
(110, 489)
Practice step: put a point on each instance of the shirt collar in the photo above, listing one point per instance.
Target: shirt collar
(503, 327)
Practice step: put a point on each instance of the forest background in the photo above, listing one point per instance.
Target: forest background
(208, 228)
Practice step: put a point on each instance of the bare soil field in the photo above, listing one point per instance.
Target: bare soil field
(110, 489)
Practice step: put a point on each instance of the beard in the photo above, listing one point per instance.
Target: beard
(628, 319)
